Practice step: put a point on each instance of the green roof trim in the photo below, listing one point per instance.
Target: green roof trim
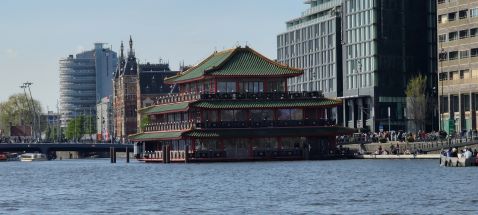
(156, 136)
(165, 108)
(198, 71)
(246, 62)
(271, 132)
(235, 62)
(251, 104)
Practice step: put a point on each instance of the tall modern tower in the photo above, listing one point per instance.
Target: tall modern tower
(365, 52)
(458, 65)
(84, 80)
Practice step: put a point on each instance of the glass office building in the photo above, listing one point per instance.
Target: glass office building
(363, 51)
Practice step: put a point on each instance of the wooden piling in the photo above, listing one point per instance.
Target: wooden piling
(114, 155)
(127, 155)
(111, 154)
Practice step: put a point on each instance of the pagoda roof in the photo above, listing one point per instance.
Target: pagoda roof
(240, 104)
(237, 62)
(165, 135)
(244, 132)
(165, 108)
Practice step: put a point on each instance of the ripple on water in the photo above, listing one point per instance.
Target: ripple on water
(318, 187)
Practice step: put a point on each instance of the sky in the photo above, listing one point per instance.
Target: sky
(35, 35)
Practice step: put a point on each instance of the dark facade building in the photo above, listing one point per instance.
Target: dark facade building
(365, 52)
(235, 106)
(124, 95)
(136, 86)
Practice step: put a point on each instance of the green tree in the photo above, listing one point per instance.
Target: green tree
(17, 110)
(79, 126)
(144, 122)
(416, 102)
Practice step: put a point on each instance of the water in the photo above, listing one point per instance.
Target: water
(308, 187)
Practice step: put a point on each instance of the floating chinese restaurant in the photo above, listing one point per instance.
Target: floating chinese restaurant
(235, 106)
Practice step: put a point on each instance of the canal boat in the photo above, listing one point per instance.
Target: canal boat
(3, 157)
(29, 157)
(457, 162)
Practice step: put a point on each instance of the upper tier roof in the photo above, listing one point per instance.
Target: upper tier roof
(237, 62)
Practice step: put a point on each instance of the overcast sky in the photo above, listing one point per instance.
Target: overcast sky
(36, 34)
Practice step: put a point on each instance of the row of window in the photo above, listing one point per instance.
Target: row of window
(455, 35)
(326, 86)
(456, 75)
(455, 102)
(306, 33)
(462, 14)
(357, 5)
(454, 55)
(310, 46)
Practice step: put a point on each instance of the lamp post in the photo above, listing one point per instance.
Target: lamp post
(442, 57)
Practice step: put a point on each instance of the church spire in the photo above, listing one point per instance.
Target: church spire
(130, 43)
(122, 48)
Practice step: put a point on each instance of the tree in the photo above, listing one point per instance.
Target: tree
(416, 103)
(17, 110)
(79, 126)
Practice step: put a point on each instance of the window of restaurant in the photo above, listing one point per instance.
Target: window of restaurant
(251, 86)
(226, 86)
(276, 86)
(259, 115)
(289, 114)
(210, 116)
(227, 115)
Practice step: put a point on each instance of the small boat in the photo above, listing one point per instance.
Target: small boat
(457, 162)
(29, 157)
(3, 157)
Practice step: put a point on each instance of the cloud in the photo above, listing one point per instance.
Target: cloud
(12, 53)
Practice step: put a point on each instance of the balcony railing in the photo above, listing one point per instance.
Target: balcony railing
(164, 126)
(266, 123)
(181, 97)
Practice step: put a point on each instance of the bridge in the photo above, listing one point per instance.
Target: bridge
(46, 148)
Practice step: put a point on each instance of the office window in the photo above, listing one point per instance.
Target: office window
(474, 52)
(463, 14)
(464, 74)
(464, 34)
(473, 32)
(452, 16)
(474, 12)
(442, 38)
(452, 36)
(453, 55)
(464, 54)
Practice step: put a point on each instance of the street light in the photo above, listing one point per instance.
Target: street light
(442, 57)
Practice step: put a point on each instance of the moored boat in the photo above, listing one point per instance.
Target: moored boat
(457, 162)
(29, 157)
(3, 157)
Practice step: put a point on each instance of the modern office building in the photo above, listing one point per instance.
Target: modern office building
(84, 80)
(458, 65)
(363, 51)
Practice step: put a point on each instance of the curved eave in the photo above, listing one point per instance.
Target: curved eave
(160, 135)
(167, 108)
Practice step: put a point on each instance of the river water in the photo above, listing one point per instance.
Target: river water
(302, 187)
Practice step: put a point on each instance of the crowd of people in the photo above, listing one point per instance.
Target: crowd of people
(402, 136)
